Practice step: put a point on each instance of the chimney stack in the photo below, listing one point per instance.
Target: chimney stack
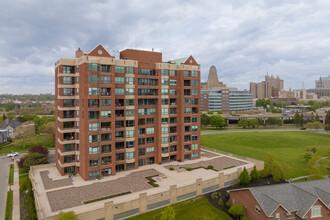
(79, 53)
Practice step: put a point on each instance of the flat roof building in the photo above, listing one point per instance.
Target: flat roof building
(119, 114)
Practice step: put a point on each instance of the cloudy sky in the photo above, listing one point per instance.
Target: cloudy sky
(242, 38)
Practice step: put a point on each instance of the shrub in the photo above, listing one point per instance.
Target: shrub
(171, 168)
(34, 159)
(228, 204)
(255, 175)
(168, 213)
(220, 202)
(244, 177)
(39, 149)
(214, 196)
(227, 195)
(66, 216)
(307, 156)
(314, 150)
(237, 210)
(210, 167)
(21, 161)
(220, 112)
(210, 112)
(189, 169)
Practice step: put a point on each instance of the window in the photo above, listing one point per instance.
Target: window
(150, 150)
(129, 144)
(187, 110)
(150, 160)
(172, 72)
(194, 92)
(194, 73)
(277, 216)
(68, 69)
(105, 114)
(93, 103)
(94, 138)
(94, 174)
(129, 155)
(130, 80)
(129, 102)
(94, 162)
(164, 91)
(172, 82)
(119, 80)
(186, 92)
(119, 69)
(173, 91)
(194, 82)
(164, 150)
(94, 150)
(105, 79)
(68, 91)
(130, 91)
(186, 73)
(106, 148)
(164, 120)
(93, 126)
(150, 140)
(186, 101)
(164, 101)
(105, 102)
(93, 67)
(194, 119)
(194, 137)
(93, 78)
(105, 68)
(164, 111)
(257, 208)
(93, 115)
(141, 131)
(164, 140)
(164, 72)
(194, 146)
(129, 134)
(93, 91)
(165, 82)
(130, 113)
(150, 121)
(150, 130)
(68, 80)
(146, 111)
(164, 130)
(119, 91)
(194, 155)
(130, 69)
(130, 166)
(194, 128)
(316, 211)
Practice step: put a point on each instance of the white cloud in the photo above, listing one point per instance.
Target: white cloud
(241, 38)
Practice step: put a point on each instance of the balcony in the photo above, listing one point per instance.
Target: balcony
(173, 130)
(68, 103)
(120, 157)
(173, 102)
(105, 126)
(106, 149)
(119, 103)
(173, 121)
(69, 136)
(69, 159)
(68, 125)
(120, 146)
(119, 113)
(106, 160)
(105, 91)
(105, 137)
(194, 111)
(93, 115)
(120, 124)
(173, 149)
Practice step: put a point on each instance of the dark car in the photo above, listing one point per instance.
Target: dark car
(302, 128)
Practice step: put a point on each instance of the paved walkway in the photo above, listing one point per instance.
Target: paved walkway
(16, 203)
(250, 130)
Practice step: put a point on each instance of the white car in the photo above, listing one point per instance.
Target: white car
(12, 154)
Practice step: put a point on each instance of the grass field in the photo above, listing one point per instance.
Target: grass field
(193, 209)
(11, 175)
(289, 147)
(18, 144)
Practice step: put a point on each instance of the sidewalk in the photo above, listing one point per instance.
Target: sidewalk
(16, 202)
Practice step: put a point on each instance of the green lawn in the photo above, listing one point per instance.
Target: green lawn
(193, 209)
(18, 144)
(9, 205)
(11, 175)
(289, 147)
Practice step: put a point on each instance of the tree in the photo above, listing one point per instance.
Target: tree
(217, 121)
(243, 123)
(34, 159)
(274, 168)
(168, 213)
(220, 112)
(9, 106)
(66, 216)
(244, 177)
(255, 175)
(317, 167)
(237, 210)
(48, 128)
(327, 121)
(205, 120)
(314, 125)
(298, 119)
(39, 149)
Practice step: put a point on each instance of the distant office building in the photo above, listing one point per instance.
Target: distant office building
(212, 80)
(226, 99)
(287, 94)
(322, 87)
(268, 88)
(304, 95)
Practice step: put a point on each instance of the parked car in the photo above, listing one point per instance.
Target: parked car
(12, 154)
(302, 128)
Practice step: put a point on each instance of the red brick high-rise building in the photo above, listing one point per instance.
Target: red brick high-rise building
(119, 114)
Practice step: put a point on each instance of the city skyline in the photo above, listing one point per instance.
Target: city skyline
(242, 40)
